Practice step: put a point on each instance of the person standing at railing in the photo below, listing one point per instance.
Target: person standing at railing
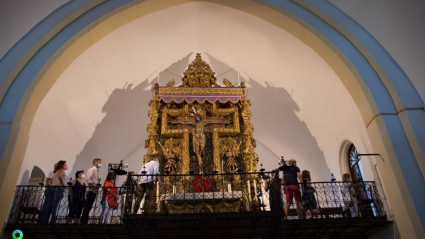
(146, 184)
(70, 201)
(55, 191)
(91, 180)
(291, 179)
(349, 195)
(77, 196)
(46, 194)
(273, 186)
(128, 191)
(265, 202)
(309, 200)
(110, 196)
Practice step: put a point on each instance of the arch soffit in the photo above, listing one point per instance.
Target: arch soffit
(288, 20)
(343, 154)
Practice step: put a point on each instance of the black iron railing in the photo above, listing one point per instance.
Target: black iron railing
(193, 194)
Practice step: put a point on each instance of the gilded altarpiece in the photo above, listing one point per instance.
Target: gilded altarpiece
(201, 127)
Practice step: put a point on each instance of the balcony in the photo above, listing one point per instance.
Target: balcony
(209, 206)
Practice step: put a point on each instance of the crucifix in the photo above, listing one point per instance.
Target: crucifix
(198, 136)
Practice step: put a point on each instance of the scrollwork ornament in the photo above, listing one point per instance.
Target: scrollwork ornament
(172, 153)
(229, 148)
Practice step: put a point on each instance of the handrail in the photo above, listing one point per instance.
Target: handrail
(193, 194)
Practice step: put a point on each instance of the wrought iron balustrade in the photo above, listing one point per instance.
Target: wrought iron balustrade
(207, 194)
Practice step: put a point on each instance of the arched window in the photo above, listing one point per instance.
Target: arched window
(354, 164)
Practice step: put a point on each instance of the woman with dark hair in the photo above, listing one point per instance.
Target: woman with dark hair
(309, 200)
(110, 196)
(69, 218)
(77, 196)
(275, 195)
(56, 188)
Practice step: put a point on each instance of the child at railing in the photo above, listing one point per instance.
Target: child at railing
(309, 200)
(110, 197)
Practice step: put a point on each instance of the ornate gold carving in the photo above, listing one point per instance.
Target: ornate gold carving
(243, 88)
(229, 148)
(250, 157)
(199, 121)
(155, 89)
(189, 207)
(152, 130)
(196, 109)
(171, 83)
(199, 73)
(201, 91)
(227, 83)
(177, 133)
(172, 151)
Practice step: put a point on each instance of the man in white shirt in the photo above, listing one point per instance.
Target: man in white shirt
(146, 184)
(92, 179)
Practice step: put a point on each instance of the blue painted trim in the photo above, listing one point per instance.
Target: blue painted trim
(398, 77)
(379, 91)
(4, 136)
(408, 164)
(10, 105)
(14, 94)
(11, 58)
(417, 119)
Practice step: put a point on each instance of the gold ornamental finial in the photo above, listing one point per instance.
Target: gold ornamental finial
(199, 74)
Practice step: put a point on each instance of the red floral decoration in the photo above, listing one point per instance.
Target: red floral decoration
(203, 181)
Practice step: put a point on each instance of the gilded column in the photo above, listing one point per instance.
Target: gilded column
(152, 142)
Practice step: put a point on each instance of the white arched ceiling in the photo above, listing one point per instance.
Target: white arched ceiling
(388, 103)
(98, 106)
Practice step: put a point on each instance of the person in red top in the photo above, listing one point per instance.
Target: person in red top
(110, 194)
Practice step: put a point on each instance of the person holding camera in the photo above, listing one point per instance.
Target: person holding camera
(291, 179)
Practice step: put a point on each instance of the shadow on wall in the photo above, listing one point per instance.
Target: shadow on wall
(281, 131)
(37, 176)
(123, 129)
(122, 132)
(25, 178)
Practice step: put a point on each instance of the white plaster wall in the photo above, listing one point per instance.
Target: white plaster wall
(98, 106)
(17, 17)
(399, 28)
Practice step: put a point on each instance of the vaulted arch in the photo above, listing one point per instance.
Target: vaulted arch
(389, 104)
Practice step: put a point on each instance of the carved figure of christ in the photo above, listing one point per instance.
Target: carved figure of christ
(198, 137)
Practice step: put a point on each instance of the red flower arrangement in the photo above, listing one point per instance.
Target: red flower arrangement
(203, 181)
